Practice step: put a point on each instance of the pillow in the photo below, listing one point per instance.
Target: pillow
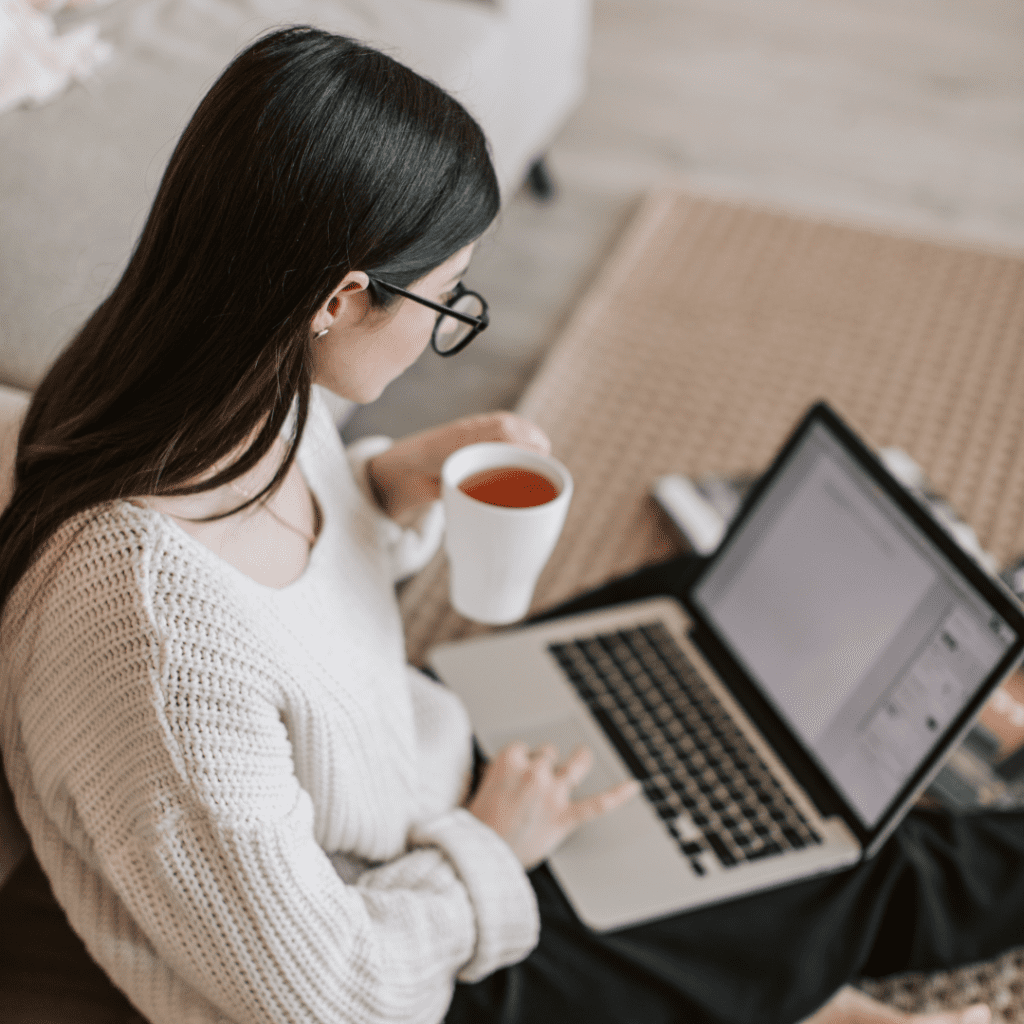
(35, 63)
(13, 404)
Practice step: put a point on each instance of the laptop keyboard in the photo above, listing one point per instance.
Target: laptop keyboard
(710, 788)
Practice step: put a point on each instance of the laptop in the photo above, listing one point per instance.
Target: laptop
(783, 716)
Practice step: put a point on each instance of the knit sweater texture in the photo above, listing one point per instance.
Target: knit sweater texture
(245, 799)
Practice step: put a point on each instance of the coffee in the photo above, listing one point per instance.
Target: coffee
(509, 486)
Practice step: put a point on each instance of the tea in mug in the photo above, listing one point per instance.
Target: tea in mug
(510, 486)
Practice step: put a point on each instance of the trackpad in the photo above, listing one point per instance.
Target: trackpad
(567, 734)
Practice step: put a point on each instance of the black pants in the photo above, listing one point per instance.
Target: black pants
(944, 891)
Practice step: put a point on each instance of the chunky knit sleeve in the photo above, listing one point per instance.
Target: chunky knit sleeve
(253, 916)
(156, 731)
(413, 546)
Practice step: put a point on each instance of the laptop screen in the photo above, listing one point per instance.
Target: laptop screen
(857, 628)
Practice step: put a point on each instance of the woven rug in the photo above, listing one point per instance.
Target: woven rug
(708, 332)
(706, 335)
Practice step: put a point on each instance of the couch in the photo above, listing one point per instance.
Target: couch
(77, 174)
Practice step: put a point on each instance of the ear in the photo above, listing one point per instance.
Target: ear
(343, 303)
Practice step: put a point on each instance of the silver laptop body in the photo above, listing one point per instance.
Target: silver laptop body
(782, 719)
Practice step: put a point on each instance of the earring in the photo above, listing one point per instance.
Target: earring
(320, 334)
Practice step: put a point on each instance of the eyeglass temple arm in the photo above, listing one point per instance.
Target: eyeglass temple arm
(447, 310)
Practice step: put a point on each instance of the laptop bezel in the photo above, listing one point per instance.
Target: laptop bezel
(990, 588)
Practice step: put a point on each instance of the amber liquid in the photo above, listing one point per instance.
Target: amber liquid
(509, 486)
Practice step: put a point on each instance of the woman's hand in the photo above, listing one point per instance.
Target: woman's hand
(409, 472)
(525, 798)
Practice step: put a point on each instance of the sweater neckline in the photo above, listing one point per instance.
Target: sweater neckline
(223, 566)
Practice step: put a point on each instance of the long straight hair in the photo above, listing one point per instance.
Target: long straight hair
(311, 156)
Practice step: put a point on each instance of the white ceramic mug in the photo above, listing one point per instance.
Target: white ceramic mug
(496, 553)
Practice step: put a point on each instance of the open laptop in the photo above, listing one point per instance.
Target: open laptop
(784, 716)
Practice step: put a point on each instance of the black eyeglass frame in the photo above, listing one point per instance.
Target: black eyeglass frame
(478, 323)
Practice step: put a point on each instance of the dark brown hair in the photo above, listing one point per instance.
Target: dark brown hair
(311, 156)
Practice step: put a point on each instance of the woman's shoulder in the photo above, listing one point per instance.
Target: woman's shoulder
(122, 640)
(120, 602)
(110, 567)
(118, 540)
(115, 540)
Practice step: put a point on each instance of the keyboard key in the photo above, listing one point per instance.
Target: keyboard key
(794, 838)
(721, 850)
(768, 850)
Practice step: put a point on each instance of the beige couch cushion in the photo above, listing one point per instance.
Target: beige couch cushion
(13, 841)
(13, 404)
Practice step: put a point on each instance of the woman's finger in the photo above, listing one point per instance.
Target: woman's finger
(515, 754)
(500, 426)
(601, 803)
(575, 769)
(520, 431)
(547, 752)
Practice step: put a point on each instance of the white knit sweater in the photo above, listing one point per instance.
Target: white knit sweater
(245, 799)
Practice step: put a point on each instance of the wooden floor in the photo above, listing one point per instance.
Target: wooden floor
(894, 112)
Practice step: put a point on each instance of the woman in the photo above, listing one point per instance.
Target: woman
(247, 803)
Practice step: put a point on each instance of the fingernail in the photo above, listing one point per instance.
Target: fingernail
(977, 1014)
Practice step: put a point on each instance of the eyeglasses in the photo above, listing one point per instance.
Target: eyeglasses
(459, 320)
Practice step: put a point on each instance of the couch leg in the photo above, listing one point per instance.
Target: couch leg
(539, 181)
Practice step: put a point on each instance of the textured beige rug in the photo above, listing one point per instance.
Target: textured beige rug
(708, 332)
